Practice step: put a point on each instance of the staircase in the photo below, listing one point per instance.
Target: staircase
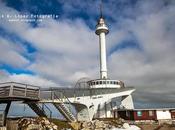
(37, 109)
(64, 110)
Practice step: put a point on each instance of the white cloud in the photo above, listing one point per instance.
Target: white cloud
(63, 48)
(10, 54)
(34, 80)
(27, 79)
(12, 27)
(150, 69)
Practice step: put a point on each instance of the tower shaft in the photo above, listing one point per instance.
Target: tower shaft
(103, 65)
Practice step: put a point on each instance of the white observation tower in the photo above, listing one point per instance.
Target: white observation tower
(101, 31)
(104, 82)
(94, 98)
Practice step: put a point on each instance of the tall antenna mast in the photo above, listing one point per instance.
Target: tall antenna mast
(101, 12)
(102, 30)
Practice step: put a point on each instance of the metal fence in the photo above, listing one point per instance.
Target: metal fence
(19, 90)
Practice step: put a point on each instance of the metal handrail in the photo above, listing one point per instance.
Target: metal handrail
(33, 86)
(69, 102)
(19, 90)
(68, 109)
(50, 112)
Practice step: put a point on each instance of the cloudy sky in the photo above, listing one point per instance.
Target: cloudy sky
(57, 51)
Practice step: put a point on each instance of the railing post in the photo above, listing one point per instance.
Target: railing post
(39, 92)
(25, 91)
(52, 95)
(11, 90)
(50, 114)
(42, 106)
(62, 97)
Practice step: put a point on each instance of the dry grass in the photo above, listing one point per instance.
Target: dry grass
(157, 127)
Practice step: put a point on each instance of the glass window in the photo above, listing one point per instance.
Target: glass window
(104, 82)
(97, 82)
(100, 82)
(110, 82)
(127, 113)
(139, 113)
(151, 113)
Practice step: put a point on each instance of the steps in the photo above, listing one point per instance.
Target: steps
(64, 110)
(37, 109)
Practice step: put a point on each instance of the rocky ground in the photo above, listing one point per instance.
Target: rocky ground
(107, 125)
(41, 123)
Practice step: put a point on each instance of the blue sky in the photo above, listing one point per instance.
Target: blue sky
(59, 51)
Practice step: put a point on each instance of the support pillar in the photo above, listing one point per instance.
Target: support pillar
(6, 111)
(127, 102)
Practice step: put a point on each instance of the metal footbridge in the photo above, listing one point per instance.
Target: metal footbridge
(36, 98)
(30, 95)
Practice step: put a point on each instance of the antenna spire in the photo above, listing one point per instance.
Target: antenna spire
(101, 12)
